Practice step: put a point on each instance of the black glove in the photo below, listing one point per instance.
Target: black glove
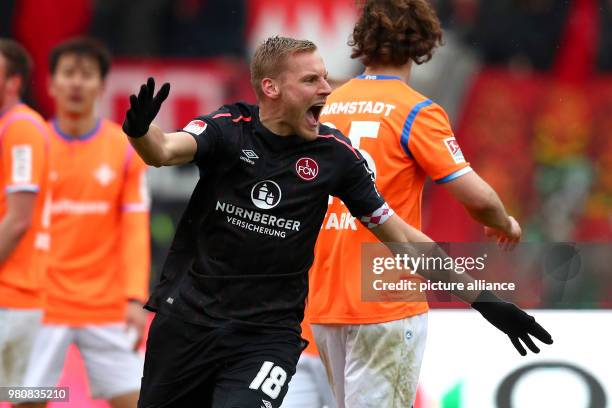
(511, 320)
(144, 108)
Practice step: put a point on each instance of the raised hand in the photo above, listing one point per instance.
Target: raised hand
(144, 108)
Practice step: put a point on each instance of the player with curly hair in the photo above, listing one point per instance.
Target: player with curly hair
(373, 350)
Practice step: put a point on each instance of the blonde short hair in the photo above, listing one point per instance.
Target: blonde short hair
(269, 58)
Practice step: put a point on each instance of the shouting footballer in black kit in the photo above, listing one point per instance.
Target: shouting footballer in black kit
(231, 296)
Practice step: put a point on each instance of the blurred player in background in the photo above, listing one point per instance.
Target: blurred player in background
(405, 137)
(24, 240)
(98, 274)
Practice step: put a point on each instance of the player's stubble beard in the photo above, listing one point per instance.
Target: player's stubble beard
(294, 115)
(303, 129)
(308, 135)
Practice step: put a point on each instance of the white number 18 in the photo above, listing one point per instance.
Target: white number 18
(270, 385)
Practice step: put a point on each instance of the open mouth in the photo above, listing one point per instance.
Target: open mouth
(313, 113)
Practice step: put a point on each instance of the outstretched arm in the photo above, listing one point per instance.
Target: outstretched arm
(154, 146)
(507, 317)
(396, 230)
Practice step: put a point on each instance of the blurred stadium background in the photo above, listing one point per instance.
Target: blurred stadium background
(528, 87)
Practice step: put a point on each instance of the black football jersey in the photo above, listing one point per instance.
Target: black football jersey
(245, 243)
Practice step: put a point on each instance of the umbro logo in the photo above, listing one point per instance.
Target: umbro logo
(249, 156)
(266, 404)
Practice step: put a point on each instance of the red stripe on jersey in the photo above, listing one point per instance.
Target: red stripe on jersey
(341, 141)
(238, 119)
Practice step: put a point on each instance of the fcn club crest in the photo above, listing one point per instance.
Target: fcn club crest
(307, 168)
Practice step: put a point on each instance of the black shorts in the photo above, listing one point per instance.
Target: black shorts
(189, 365)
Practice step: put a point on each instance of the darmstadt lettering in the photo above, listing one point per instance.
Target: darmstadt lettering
(350, 108)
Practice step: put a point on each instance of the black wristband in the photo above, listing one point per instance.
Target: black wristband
(486, 296)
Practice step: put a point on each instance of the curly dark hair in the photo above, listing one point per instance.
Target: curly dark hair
(393, 32)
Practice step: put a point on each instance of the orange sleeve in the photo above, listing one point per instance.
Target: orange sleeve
(432, 144)
(23, 156)
(135, 233)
